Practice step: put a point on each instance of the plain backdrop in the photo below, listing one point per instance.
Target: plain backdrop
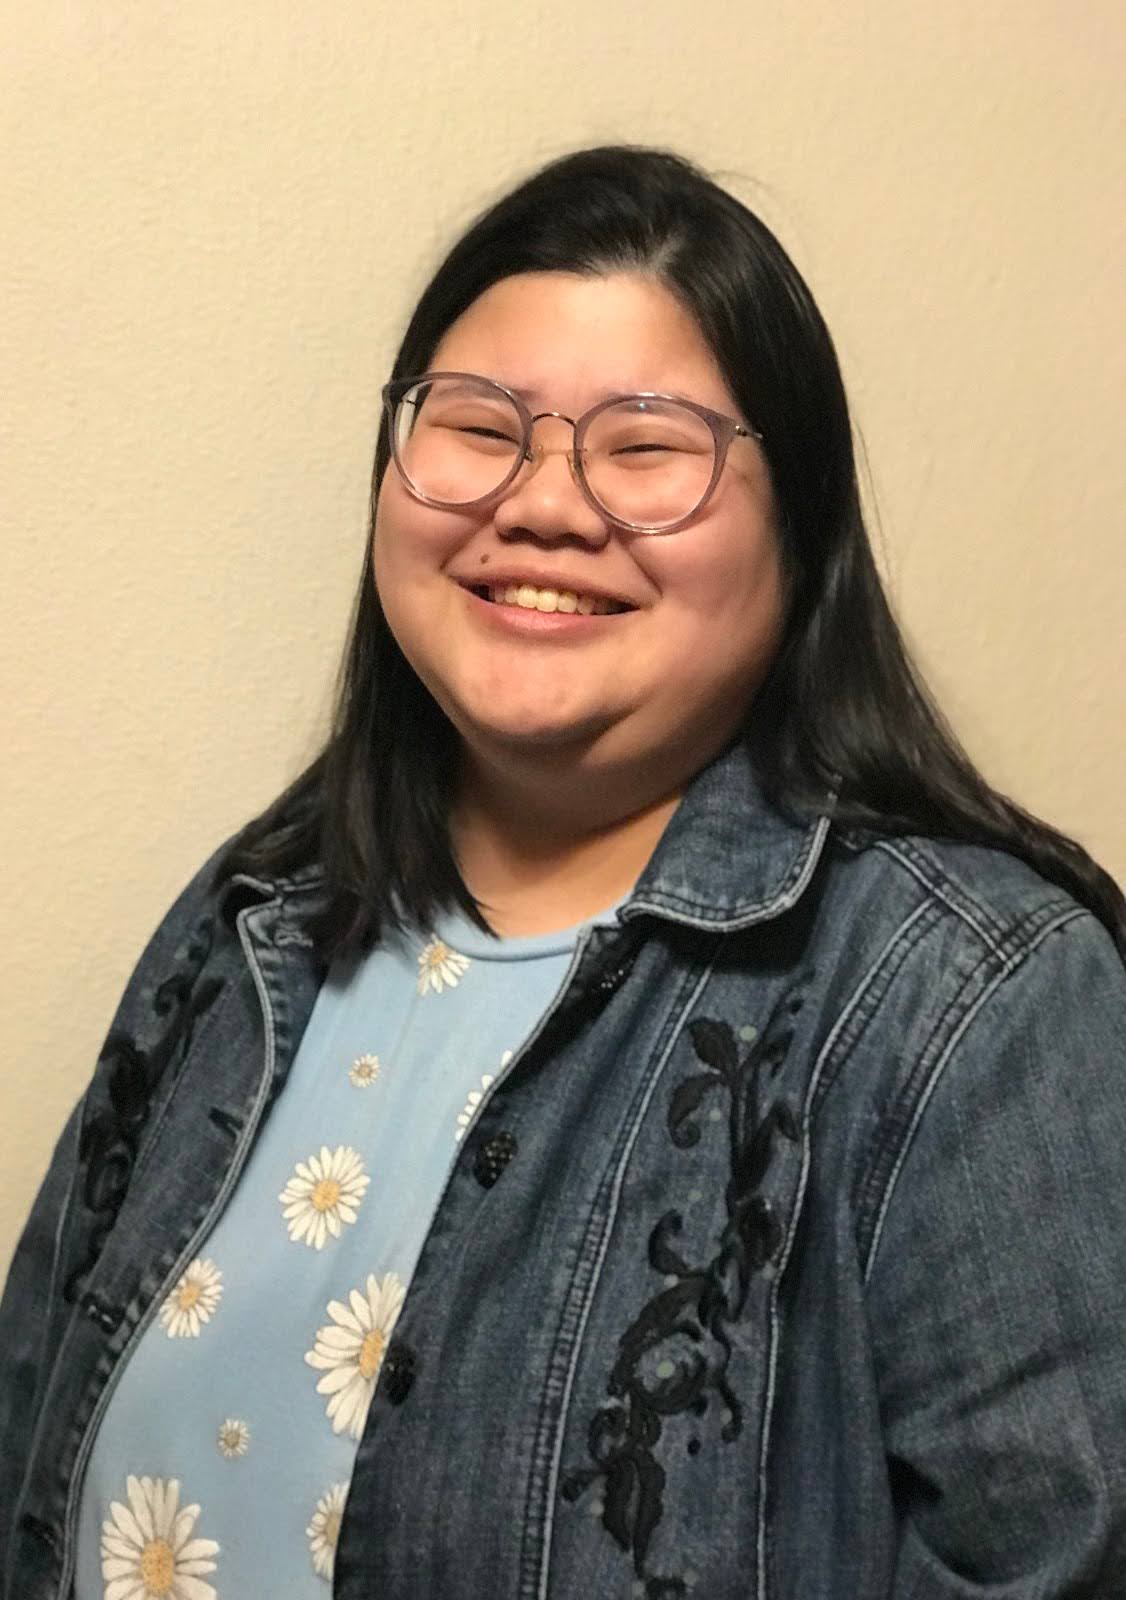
(215, 219)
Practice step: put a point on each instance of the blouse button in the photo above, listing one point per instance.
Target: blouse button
(397, 1377)
(492, 1157)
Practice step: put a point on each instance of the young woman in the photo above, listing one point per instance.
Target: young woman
(640, 1116)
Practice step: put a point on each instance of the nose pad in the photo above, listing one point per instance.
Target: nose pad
(548, 501)
(537, 456)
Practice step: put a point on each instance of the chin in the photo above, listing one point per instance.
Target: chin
(527, 733)
(531, 735)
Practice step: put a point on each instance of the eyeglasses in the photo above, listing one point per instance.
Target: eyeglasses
(646, 462)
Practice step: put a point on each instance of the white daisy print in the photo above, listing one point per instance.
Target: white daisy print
(364, 1071)
(148, 1549)
(324, 1530)
(234, 1438)
(349, 1350)
(193, 1300)
(439, 967)
(323, 1194)
(469, 1110)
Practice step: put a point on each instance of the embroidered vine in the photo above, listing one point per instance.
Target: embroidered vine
(673, 1359)
(111, 1136)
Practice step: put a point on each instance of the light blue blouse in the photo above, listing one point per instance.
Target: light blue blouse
(222, 1463)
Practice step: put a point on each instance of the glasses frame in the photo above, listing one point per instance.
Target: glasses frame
(723, 429)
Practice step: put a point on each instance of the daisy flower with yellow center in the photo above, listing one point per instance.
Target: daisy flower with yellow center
(439, 967)
(364, 1071)
(323, 1531)
(192, 1301)
(350, 1349)
(323, 1194)
(147, 1547)
(234, 1438)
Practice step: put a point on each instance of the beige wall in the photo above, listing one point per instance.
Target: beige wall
(214, 219)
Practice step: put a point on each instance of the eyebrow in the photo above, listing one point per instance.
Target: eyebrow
(533, 396)
(528, 395)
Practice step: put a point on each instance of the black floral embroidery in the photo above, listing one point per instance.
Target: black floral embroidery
(673, 1358)
(111, 1137)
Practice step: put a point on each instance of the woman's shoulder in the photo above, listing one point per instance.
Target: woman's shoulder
(962, 970)
(229, 877)
(194, 905)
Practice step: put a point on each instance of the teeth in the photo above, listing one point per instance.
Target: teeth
(529, 598)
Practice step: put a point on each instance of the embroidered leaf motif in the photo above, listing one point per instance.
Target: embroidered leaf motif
(650, 1504)
(662, 1257)
(621, 1476)
(714, 1043)
(658, 1321)
(685, 1100)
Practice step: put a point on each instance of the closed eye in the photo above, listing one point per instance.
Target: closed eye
(488, 433)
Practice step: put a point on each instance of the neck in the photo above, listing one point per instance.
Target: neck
(539, 856)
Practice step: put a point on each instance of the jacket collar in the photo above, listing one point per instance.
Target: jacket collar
(729, 857)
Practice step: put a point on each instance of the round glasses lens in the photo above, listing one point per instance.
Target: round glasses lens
(456, 439)
(649, 462)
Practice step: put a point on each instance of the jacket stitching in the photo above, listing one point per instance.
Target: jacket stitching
(904, 938)
(940, 892)
(894, 1125)
(844, 1036)
(663, 1056)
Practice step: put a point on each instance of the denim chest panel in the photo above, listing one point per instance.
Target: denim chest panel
(666, 1428)
(589, 1338)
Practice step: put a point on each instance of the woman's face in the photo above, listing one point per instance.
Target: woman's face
(658, 687)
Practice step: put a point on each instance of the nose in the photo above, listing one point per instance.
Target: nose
(546, 501)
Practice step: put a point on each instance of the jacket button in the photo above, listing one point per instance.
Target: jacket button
(397, 1377)
(492, 1157)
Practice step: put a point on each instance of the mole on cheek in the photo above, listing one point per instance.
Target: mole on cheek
(484, 560)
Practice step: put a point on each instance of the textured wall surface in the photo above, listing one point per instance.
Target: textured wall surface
(215, 218)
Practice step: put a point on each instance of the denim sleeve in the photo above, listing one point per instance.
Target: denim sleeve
(33, 1310)
(997, 1293)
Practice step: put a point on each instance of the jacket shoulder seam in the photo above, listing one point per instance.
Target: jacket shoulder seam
(940, 890)
(918, 1096)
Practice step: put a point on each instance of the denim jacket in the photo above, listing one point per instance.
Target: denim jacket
(786, 1260)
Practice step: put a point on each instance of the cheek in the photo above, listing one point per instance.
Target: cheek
(396, 573)
(724, 575)
(410, 541)
(725, 616)
(384, 538)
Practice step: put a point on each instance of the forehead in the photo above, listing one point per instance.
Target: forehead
(562, 336)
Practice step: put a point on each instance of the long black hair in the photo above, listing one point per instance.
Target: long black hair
(842, 707)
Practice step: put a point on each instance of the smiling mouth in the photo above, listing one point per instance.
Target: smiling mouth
(528, 598)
